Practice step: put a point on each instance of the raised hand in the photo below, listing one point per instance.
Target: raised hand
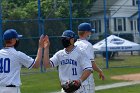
(41, 41)
(46, 42)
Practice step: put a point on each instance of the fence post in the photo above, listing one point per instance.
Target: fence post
(139, 16)
(70, 11)
(39, 18)
(40, 30)
(139, 21)
(1, 24)
(105, 28)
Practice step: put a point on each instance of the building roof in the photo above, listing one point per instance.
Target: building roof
(115, 8)
(134, 16)
(123, 13)
(123, 8)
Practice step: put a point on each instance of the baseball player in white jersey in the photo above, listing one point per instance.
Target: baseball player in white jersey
(12, 60)
(84, 32)
(72, 63)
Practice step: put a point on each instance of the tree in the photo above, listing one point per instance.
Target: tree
(49, 8)
(24, 10)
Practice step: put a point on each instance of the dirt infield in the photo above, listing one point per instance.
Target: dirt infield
(129, 77)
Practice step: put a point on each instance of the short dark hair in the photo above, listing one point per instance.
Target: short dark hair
(7, 42)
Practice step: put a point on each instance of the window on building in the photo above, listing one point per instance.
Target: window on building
(107, 24)
(115, 24)
(135, 26)
(137, 1)
(97, 26)
(99, 23)
(134, 2)
(138, 28)
(124, 24)
(131, 23)
(119, 24)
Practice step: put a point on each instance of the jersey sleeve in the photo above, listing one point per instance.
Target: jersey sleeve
(87, 48)
(90, 52)
(55, 60)
(85, 62)
(26, 60)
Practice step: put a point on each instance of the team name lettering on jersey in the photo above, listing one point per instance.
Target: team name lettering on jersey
(69, 61)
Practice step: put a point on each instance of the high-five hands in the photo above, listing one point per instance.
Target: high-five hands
(46, 42)
(41, 41)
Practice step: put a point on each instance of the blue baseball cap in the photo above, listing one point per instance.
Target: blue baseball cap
(85, 27)
(68, 34)
(11, 33)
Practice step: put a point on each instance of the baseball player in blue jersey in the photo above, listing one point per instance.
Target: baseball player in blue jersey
(84, 32)
(12, 60)
(72, 63)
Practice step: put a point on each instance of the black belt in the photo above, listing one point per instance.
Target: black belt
(10, 86)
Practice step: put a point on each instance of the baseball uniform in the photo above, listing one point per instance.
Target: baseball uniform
(11, 62)
(86, 47)
(71, 65)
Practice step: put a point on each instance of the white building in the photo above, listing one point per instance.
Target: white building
(122, 17)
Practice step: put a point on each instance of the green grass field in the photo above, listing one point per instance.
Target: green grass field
(127, 89)
(120, 61)
(49, 82)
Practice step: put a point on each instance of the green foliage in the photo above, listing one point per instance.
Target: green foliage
(31, 10)
(19, 3)
(50, 9)
(17, 13)
(21, 9)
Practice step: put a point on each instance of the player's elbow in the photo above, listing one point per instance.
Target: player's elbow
(36, 66)
(47, 65)
(88, 71)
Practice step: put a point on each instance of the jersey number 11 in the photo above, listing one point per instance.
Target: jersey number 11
(74, 71)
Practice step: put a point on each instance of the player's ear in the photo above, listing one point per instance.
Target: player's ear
(72, 40)
(13, 41)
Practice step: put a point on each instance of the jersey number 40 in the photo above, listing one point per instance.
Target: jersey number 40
(4, 65)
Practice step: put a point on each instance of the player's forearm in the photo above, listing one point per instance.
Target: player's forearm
(96, 68)
(100, 72)
(46, 59)
(38, 58)
(85, 75)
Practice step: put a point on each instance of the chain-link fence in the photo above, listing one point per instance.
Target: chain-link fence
(52, 17)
